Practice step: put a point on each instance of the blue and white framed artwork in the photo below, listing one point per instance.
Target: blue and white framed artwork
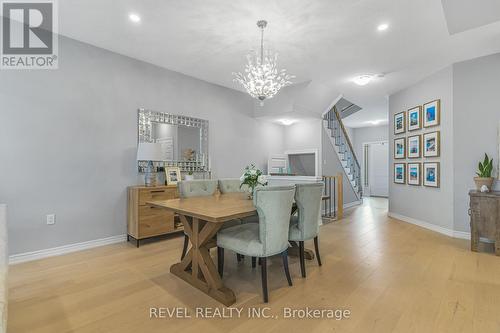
(414, 174)
(414, 118)
(399, 123)
(432, 143)
(399, 148)
(399, 173)
(432, 113)
(414, 146)
(431, 174)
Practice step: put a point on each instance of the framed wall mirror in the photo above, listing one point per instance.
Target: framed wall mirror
(184, 140)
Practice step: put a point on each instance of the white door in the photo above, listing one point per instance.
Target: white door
(378, 169)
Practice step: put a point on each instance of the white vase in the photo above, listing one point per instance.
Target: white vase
(189, 177)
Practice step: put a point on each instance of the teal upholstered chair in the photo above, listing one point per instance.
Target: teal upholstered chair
(305, 225)
(195, 188)
(266, 238)
(231, 185)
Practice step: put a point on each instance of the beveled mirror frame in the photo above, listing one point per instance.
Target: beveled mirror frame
(146, 117)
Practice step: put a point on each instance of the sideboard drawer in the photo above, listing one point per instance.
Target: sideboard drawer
(156, 224)
(144, 220)
(146, 195)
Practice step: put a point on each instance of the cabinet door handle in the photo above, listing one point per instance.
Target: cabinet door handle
(470, 212)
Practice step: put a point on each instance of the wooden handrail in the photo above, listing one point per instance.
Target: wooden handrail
(345, 134)
(340, 196)
(333, 194)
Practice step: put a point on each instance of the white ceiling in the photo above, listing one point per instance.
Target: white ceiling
(323, 41)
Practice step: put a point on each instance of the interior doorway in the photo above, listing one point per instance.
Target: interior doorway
(376, 169)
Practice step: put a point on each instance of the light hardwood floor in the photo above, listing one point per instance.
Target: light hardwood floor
(392, 276)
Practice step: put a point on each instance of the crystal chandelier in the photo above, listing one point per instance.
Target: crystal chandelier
(262, 78)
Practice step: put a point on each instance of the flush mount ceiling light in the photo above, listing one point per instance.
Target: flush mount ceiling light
(287, 122)
(383, 27)
(364, 79)
(134, 18)
(262, 78)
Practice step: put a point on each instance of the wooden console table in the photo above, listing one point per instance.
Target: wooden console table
(484, 214)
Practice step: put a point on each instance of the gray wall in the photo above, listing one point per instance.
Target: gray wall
(432, 205)
(362, 135)
(476, 100)
(68, 140)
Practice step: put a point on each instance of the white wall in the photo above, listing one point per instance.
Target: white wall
(432, 205)
(476, 100)
(68, 140)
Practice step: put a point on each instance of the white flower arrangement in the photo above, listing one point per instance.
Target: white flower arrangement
(252, 177)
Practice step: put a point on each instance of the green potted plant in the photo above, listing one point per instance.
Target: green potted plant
(189, 176)
(484, 174)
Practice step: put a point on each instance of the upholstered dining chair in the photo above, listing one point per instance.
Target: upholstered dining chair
(305, 225)
(263, 239)
(195, 188)
(232, 185)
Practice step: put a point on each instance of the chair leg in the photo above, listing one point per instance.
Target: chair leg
(263, 268)
(316, 249)
(238, 257)
(254, 260)
(260, 261)
(220, 260)
(185, 247)
(284, 254)
(302, 260)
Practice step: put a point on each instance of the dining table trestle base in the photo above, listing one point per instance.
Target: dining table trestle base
(197, 267)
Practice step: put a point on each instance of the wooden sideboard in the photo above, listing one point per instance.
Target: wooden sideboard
(146, 221)
(484, 214)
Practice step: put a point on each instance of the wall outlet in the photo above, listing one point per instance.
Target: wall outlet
(51, 219)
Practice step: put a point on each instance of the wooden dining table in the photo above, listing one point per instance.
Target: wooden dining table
(202, 218)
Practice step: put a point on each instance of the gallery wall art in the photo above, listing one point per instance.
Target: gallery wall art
(399, 123)
(399, 173)
(414, 174)
(399, 148)
(425, 145)
(432, 113)
(414, 146)
(431, 174)
(414, 118)
(432, 144)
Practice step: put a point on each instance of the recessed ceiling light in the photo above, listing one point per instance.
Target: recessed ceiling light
(363, 80)
(287, 122)
(383, 27)
(134, 18)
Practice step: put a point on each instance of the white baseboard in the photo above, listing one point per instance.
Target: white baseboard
(436, 228)
(56, 251)
(352, 204)
(423, 224)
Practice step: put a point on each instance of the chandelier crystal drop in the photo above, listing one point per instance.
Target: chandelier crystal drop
(262, 78)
